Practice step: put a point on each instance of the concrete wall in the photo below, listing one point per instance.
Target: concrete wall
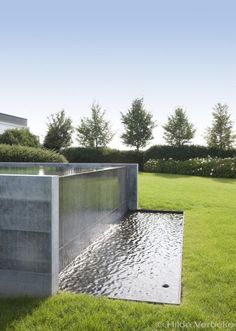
(28, 235)
(132, 174)
(44, 217)
(89, 203)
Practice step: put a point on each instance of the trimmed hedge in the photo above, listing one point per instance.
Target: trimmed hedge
(103, 155)
(209, 167)
(185, 152)
(108, 155)
(16, 153)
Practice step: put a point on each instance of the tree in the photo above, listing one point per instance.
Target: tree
(94, 132)
(21, 137)
(59, 132)
(220, 134)
(178, 130)
(138, 124)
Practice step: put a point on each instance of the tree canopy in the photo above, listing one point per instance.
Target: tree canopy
(178, 131)
(21, 137)
(59, 132)
(220, 134)
(94, 131)
(138, 125)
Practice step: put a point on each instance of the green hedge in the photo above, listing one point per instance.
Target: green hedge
(107, 155)
(103, 155)
(185, 152)
(16, 153)
(209, 167)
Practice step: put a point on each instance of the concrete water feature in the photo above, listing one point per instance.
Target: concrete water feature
(50, 212)
(77, 227)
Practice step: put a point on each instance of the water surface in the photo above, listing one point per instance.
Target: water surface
(44, 170)
(139, 259)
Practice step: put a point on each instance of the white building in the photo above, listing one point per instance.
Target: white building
(11, 122)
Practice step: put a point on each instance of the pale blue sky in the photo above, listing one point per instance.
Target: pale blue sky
(66, 54)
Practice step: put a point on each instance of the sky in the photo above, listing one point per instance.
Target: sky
(68, 54)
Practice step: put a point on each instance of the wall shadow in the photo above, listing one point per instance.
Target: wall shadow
(15, 309)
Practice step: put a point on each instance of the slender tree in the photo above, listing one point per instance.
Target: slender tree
(138, 125)
(95, 131)
(221, 134)
(59, 133)
(178, 130)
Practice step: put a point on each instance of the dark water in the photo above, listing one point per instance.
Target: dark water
(44, 170)
(139, 259)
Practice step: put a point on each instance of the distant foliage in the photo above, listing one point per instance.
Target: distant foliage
(94, 132)
(21, 137)
(138, 125)
(14, 153)
(185, 152)
(59, 132)
(221, 134)
(178, 131)
(209, 167)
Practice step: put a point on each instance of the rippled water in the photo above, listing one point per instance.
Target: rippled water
(138, 259)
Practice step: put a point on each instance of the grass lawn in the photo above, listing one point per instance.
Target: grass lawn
(209, 270)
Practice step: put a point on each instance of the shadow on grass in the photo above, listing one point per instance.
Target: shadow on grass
(178, 176)
(15, 309)
(223, 180)
(170, 176)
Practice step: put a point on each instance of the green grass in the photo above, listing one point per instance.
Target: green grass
(209, 269)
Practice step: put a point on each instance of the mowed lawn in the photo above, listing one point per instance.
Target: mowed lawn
(209, 270)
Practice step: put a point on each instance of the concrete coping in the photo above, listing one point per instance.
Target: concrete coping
(90, 170)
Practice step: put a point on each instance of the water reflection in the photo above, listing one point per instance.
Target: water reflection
(45, 170)
(133, 260)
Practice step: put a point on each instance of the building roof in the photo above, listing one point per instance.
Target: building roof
(6, 118)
